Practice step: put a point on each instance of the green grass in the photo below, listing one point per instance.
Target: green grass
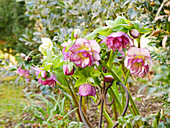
(11, 104)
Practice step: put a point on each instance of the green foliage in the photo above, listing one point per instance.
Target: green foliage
(12, 25)
(159, 86)
(60, 18)
(51, 112)
(12, 103)
(157, 120)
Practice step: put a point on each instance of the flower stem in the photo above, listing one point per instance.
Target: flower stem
(119, 79)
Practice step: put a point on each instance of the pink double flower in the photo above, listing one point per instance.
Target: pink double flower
(87, 90)
(118, 40)
(84, 52)
(138, 60)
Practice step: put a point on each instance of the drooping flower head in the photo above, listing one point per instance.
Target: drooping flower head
(87, 90)
(138, 60)
(118, 40)
(44, 79)
(50, 81)
(85, 52)
(22, 72)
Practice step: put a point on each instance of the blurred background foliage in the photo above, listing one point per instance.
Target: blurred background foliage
(22, 28)
(13, 22)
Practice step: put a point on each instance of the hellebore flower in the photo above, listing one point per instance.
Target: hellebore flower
(50, 81)
(134, 33)
(87, 90)
(22, 72)
(118, 40)
(46, 44)
(85, 52)
(66, 71)
(138, 61)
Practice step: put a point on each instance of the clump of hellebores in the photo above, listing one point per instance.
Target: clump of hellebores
(87, 90)
(84, 52)
(138, 60)
(118, 40)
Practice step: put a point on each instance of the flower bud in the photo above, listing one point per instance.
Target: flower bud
(134, 33)
(66, 71)
(23, 56)
(28, 59)
(43, 74)
(77, 33)
(152, 3)
(108, 79)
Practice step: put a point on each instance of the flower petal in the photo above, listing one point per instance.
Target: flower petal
(95, 46)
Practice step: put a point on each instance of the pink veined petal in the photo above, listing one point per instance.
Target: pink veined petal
(74, 57)
(142, 72)
(93, 91)
(80, 41)
(95, 55)
(139, 70)
(85, 90)
(116, 34)
(128, 62)
(133, 51)
(94, 45)
(87, 45)
(146, 69)
(85, 62)
(130, 39)
(75, 48)
(117, 43)
(134, 68)
(145, 52)
(77, 62)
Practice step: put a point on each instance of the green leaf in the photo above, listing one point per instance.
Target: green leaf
(144, 30)
(80, 81)
(48, 66)
(96, 74)
(60, 76)
(117, 21)
(91, 36)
